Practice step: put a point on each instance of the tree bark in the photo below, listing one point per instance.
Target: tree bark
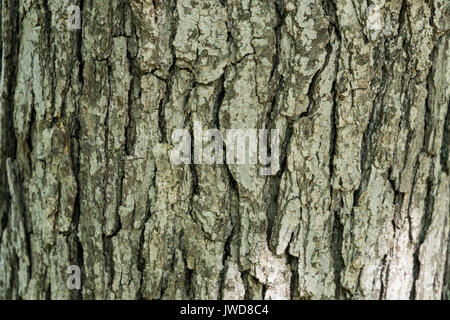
(358, 210)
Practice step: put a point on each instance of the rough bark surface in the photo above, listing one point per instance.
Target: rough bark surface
(358, 210)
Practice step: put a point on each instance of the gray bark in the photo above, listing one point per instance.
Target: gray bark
(358, 210)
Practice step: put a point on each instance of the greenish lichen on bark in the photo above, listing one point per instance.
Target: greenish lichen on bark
(358, 210)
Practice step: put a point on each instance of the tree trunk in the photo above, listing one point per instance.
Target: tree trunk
(359, 208)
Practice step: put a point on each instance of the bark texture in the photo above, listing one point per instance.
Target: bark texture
(358, 210)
